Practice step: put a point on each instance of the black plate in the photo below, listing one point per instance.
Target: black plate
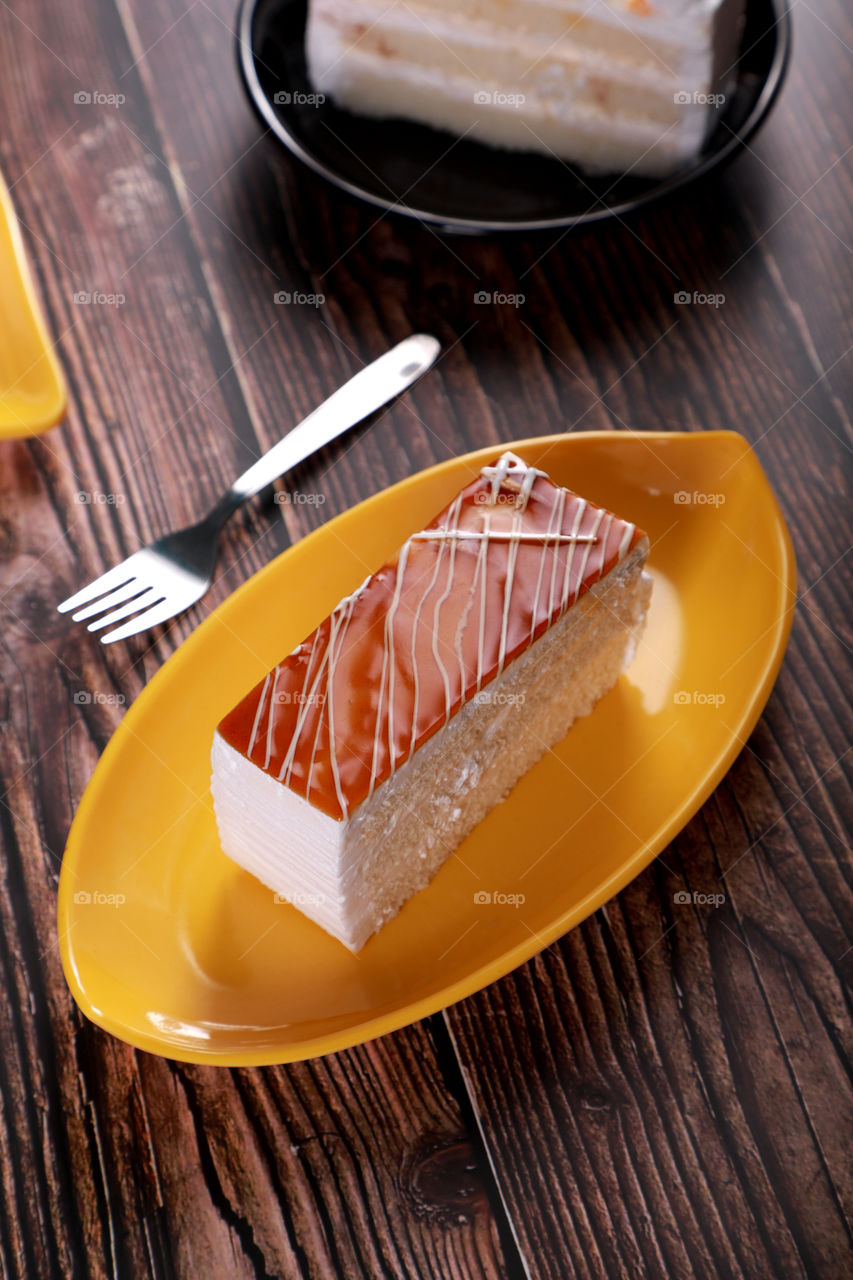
(407, 167)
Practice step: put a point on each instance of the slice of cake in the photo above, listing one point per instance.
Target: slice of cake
(612, 85)
(350, 773)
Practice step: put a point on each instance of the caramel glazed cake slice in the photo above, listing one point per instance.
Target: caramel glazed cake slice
(352, 771)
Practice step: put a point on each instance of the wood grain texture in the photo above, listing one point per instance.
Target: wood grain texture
(667, 1091)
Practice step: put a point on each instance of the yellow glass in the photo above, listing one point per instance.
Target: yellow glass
(32, 388)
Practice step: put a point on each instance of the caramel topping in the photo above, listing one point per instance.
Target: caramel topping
(432, 628)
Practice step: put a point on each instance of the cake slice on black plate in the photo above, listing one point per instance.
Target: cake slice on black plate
(611, 85)
(354, 769)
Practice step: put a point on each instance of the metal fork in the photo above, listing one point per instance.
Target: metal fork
(175, 571)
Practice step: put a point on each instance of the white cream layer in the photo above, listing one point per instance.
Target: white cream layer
(306, 868)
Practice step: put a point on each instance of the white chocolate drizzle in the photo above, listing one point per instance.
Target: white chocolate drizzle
(453, 516)
(271, 717)
(502, 476)
(484, 600)
(497, 535)
(512, 557)
(330, 706)
(258, 714)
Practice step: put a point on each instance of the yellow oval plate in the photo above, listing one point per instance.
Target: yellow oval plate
(32, 388)
(171, 947)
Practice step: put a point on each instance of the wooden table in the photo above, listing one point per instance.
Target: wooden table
(667, 1091)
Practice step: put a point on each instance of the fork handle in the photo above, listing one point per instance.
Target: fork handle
(371, 388)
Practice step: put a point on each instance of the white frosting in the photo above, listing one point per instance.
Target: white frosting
(251, 807)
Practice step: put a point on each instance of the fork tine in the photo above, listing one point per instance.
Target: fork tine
(104, 603)
(107, 582)
(159, 612)
(150, 596)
